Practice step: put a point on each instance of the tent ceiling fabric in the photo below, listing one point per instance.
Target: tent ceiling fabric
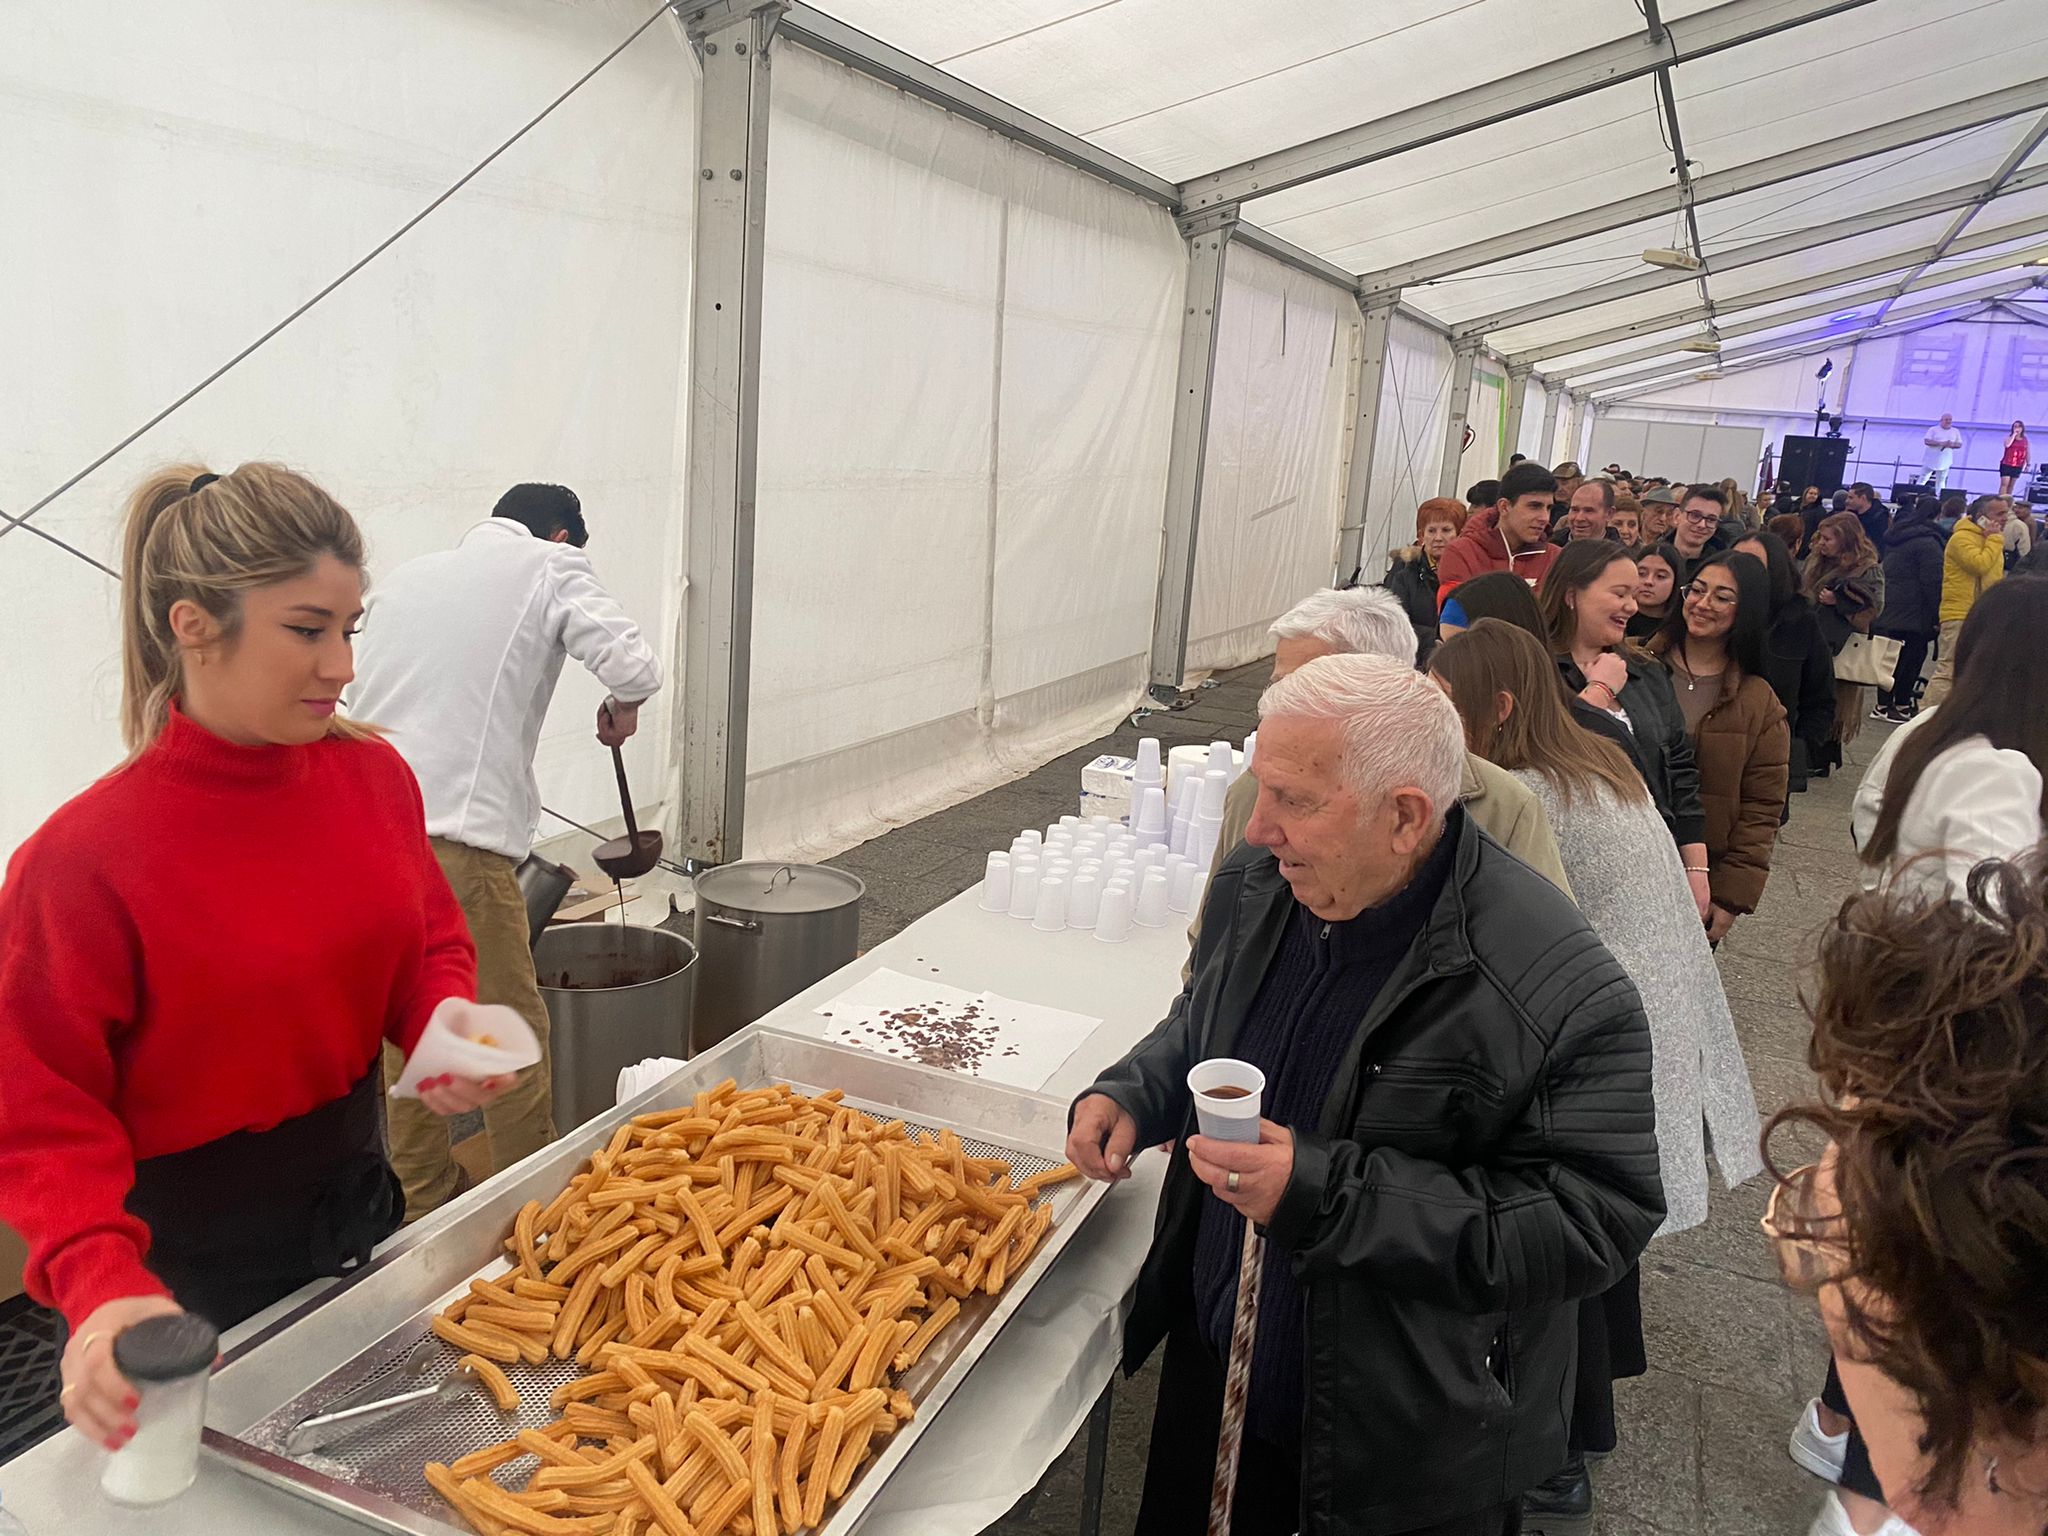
(1186, 87)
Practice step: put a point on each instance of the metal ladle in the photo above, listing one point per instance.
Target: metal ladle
(626, 858)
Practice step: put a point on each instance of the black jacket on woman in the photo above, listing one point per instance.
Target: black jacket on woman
(1801, 671)
(1486, 1156)
(1663, 746)
(1411, 578)
(1912, 578)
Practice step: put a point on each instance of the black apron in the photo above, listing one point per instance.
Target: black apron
(240, 1222)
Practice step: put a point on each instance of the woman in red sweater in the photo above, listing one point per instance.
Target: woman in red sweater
(202, 954)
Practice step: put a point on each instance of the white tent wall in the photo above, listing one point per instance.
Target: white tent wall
(1273, 478)
(1685, 451)
(216, 163)
(967, 377)
(1986, 372)
(1408, 440)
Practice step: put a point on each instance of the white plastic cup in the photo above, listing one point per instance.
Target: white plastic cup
(1184, 813)
(1180, 879)
(1149, 858)
(1215, 789)
(1084, 901)
(1149, 821)
(1197, 889)
(1148, 774)
(1251, 750)
(995, 884)
(1023, 889)
(1058, 869)
(1104, 822)
(1031, 835)
(1050, 914)
(1113, 917)
(1227, 1116)
(1070, 821)
(1202, 842)
(1153, 908)
(1224, 756)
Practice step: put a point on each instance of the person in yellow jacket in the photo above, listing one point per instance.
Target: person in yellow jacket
(1974, 559)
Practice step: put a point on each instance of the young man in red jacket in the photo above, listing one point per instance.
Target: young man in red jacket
(1512, 535)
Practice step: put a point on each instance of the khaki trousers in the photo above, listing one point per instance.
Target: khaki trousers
(522, 1119)
(1944, 667)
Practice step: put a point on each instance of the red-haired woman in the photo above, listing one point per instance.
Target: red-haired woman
(1411, 572)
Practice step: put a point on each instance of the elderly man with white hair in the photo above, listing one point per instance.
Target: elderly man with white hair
(1458, 1139)
(1370, 621)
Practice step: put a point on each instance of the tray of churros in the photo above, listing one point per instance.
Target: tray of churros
(726, 1308)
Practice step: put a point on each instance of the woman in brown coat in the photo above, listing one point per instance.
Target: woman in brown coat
(1713, 646)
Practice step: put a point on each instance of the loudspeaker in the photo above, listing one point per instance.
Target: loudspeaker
(1804, 461)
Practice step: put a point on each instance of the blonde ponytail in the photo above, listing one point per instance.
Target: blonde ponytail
(195, 537)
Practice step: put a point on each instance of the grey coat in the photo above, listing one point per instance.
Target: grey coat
(1630, 886)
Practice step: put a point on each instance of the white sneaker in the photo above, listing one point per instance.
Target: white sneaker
(1833, 1520)
(1820, 1453)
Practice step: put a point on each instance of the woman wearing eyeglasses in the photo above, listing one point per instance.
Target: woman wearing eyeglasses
(1713, 647)
(1923, 1229)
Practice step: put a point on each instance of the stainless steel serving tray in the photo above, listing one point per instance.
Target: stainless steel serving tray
(361, 1330)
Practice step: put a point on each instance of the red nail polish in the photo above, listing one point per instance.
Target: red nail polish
(131, 1402)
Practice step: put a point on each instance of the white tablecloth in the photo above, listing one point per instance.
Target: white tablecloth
(1025, 1399)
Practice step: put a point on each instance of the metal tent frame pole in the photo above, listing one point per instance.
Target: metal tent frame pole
(1208, 241)
(1518, 405)
(1377, 320)
(1464, 357)
(1553, 397)
(731, 40)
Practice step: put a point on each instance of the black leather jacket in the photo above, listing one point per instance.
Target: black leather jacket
(1663, 748)
(1486, 1157)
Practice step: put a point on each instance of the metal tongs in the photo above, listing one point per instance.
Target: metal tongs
(360, 1407)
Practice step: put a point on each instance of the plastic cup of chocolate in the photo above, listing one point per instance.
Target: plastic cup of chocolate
(1227, 1097)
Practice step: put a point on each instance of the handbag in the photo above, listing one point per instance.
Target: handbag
(1869, 660)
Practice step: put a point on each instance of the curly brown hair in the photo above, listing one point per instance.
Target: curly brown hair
(1929, 1038)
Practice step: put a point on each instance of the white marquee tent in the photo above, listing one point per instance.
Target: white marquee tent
(978, 363)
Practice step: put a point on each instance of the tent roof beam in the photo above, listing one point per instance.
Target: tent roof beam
(1772, 170)
(1728, 25)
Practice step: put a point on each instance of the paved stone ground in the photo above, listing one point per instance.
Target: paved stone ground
(1733, 1355)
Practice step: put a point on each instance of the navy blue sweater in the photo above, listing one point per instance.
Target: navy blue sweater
(1316, 993)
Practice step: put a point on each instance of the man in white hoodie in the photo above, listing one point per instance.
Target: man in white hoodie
(458, 659)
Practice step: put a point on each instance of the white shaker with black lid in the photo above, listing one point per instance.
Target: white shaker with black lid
(167, 1360)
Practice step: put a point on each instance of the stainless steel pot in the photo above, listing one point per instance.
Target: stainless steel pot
(765, 932)
(616, 993)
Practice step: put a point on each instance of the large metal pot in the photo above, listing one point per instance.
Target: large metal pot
(616, 993)
(765, 932)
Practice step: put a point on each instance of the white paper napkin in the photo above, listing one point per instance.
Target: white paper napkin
(643, 1075)
(468, 1040)
(974, 1034)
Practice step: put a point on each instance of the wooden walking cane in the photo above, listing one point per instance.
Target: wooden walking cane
(1237, 1379)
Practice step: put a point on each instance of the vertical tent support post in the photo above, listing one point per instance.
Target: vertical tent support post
(1574, 418)
(1553, 395)
(1463, 356)
(1208, 237)
(1378, 316)
(1518, 400)
(731, 41)
(1587, 418)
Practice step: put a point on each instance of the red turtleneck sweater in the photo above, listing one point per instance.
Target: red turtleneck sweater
(212, 939)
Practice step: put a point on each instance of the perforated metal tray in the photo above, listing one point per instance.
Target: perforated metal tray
(358, 1334)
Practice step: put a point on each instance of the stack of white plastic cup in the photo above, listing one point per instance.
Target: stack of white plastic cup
(995, 884)
(1148, 817)
(1180, 874)
(1150, 773)
(1209, 817)
(1184, 813)
(1251, 748)
(1223, 755)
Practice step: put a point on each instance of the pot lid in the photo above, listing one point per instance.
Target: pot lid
(762, 885)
